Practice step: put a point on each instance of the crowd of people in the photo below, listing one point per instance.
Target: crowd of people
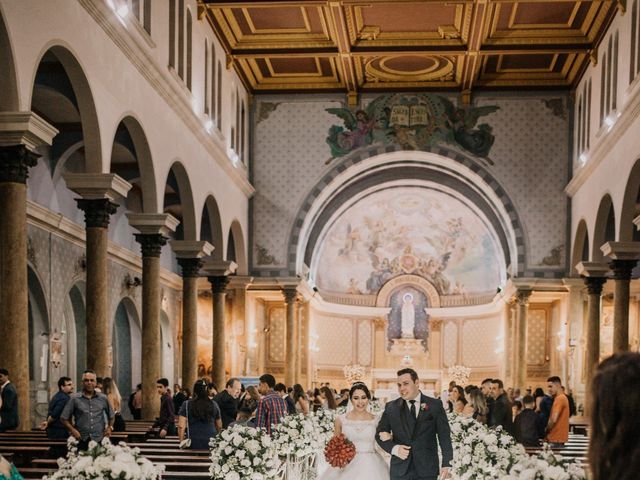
(199, 414)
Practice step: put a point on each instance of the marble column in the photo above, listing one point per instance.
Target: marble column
(189, 255)
(20, 134)
(522, 298)
(291, 350)
(594, 278)
(623, 256)
(153, 229)
(98, 193)
(575, 353)
(218, 275)
(239, 285)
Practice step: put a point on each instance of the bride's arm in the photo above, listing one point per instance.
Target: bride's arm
(337, 427)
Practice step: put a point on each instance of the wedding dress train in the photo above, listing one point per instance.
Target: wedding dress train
(367, 464)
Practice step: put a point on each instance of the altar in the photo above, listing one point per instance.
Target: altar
(384, 382)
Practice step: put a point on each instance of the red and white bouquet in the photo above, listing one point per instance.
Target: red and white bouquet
(339, 451)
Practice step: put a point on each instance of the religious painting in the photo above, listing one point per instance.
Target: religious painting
(409, 230)
(415, 122)
(408, 318)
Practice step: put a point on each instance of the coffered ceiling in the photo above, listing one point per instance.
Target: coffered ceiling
(386, 45)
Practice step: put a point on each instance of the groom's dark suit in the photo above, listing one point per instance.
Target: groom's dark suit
(419, 434)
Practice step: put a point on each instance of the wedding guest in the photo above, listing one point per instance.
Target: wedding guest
(135, 403)
(179, 397)
(9, 419)
(212, 391)
(543, 404)
(614, 448)
(8, 471)
(99, 381)
(572, 402)
(227, 401)
(328, 398)
(527, 427)
(245, 418)
(271, 408)
(54, 427)
(199, 418)
(501, 413)
(317, 399)
(300, 399)
(165, 423)
(558, 425)
(457, 399)
(343, 401)
(477, 406)
(281, 390)
(110, 389)
(485, 386)
(251, 398)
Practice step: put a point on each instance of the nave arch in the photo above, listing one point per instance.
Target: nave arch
(126, 346)
(605, 227)
(236, 247)
(211, 227)
(8, 84)
(580, 251)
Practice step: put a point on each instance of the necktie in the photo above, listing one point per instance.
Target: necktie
(412, 409)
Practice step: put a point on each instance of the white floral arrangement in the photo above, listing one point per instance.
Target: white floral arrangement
(482, 453)
(376, 406)
(242, 452)
(459, 374)
(296, 435)
(354, 373)
(105, 461)
(324, 424)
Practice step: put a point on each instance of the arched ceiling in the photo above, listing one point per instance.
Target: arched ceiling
(382, 45)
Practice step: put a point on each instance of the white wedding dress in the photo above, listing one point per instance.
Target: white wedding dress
(367, 464)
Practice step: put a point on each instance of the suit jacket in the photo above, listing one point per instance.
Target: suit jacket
(9, 410)
(502, 414)
(228, 407)
(431, 423)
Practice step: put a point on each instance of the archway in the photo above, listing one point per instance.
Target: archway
(605, 228)
(580, 252)
(178, 201)
(211, 227)
(76, 338)
(8, 84)
(236, 250)
(168, 348)
(630, 206)
(122, 370)
(38, 332)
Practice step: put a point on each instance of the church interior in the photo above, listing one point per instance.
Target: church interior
(317, 190)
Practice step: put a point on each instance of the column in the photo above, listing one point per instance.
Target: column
(594, 278)
(575, 320)
(153, 229)
(189, 255)
(522, 298)
(623, 256)
(98, 193)
(238, 285)
(20, 134)
(218, 275)
(291, 351)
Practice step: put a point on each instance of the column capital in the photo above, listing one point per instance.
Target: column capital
(92, 186)
(594, 285)
(153, 223)
(97, 211)
(621, 250)
(190, 267)
(25, 128)
(522, 296)
(240, 282)
(191, 248)
(592, 269)
(290, 294)
(218, 283)
(219, 268)
(151, 243)
(622, 269)
(15, 161)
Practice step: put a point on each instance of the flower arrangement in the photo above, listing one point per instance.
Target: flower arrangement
(105, 461)
(243, 452)
(354, 373)
(459, 374)
(324, 424)
(296, 435)
(481, 453)
(339, 451)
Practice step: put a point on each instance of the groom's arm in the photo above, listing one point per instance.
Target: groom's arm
(384, 425)
(444, 437)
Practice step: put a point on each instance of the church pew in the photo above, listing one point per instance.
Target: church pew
(35, 472)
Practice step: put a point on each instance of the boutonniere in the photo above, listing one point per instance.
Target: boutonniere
(424, 407)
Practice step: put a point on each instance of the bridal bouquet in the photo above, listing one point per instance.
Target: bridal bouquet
(339, 451)
(243, 452)
(107, 461)
(296, 435)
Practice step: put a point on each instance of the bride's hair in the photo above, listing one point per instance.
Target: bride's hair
(360, 386)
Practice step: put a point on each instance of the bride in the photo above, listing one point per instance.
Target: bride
(359, 426)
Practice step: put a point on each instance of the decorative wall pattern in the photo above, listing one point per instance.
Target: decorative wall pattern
(365, 342)
(335, 340)
(277, 325)
(479, 342)
(537, 336)
(450, 343)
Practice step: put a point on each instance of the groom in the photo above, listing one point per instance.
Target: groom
(415, 420)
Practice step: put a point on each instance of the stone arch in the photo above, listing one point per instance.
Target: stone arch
(415, 281)
(211, 227)
(456, 167)
(130, 135)
(580, 252)
(236, 244)
(84, 102)
(126, 337)
(38, 313)
(76, 326)
(630, 206)
(178, 201)
(8, 84)
(605, 227)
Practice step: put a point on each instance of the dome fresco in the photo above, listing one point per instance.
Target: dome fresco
(409, 230)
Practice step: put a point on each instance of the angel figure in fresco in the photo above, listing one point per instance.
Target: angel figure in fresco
(350, 240)
(462, 122)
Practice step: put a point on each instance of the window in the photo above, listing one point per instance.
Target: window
(609, 77)
(633, 67)
(206, 77)
(172, 33)
(219, 98)
(212, 93)
(181, 39)
(189, 49)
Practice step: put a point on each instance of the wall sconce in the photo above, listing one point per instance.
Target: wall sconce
(132, 282)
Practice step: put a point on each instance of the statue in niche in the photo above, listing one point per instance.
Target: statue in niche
(408, 316)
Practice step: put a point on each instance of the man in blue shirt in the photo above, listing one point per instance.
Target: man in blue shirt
(54, 427)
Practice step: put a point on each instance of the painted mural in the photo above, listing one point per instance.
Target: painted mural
(415, 122)
(409, 230)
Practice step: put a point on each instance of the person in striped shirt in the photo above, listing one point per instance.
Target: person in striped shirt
(271, 407)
